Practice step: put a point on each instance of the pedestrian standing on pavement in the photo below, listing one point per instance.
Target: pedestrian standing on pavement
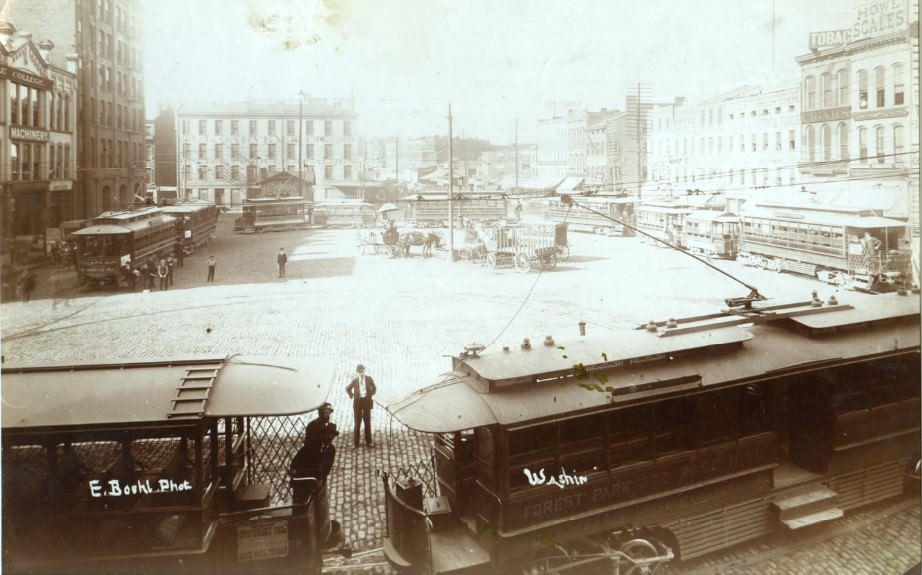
(152, 274)
(361, 390)
(163, 272)
(281, 260)
(177, 252)
(170, 264)
(144, 276)
(26, 285)
(212, 264)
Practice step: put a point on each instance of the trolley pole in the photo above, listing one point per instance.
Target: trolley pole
(451, 195)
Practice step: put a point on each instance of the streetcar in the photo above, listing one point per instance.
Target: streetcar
(607, 216)
(115, 241)
(195, 222)
(344, 213)
(271, 214)
(621, 453)
(850, 247)
(663, 220)
(431, 209)
(712, 233)
(164, 466)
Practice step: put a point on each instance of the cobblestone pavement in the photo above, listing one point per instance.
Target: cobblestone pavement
(401, 318)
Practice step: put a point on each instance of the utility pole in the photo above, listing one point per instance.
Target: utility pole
(397, 160)
(451, 195)
(516, 157)
(300, 143)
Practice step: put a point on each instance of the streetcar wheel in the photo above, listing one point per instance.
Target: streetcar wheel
(521, 264)
(637, 550)
(491, 261)
(549, 261)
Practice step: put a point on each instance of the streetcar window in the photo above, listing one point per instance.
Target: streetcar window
(582, 443)
(485, 453)
(755, 414)
(714, 414)
(674, 425)
(537, 439)
(629, 435)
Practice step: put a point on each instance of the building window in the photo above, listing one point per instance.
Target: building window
(328, 172)
(252, 127)
(842, 80)
(235, 152)
(235, 127)
(347, 128)
(863, 144)
(202, 151)
(347, 172)
(879, 143)
(253, 156)
(843, 142)
(219, 172)
(755, 145)
(219, 152)
(347, 151)
(219, 127)
(328, 151)
(271, 149)
(202, 172)
(201, 128)
(825, 135)
(309, 125)
(826, 81)
(290, 127)
(810, 93)
(792, 141)
(235, 172)
(862, 89)
(811, 144)
(328, 128)
(765, 141)
(186, 149)
(290, 150)
(271, 127)
(880, 79)
(898, 144)
(777, 141)
(898, 87)
(310, 151)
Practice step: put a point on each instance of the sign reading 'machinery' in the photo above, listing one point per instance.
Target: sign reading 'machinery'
(31, 134)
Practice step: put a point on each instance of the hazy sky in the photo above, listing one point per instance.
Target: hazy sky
(493, 60)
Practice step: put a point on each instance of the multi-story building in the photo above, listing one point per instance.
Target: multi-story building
(225, 150)
(860, 100)
(553, 148)
(743, 139)
(105, 35)
(165, 150)
(497, 168)
(37, 135)
(150, 156)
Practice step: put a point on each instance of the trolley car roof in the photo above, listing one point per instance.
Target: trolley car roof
(122, 228)
(459, 400)
(143, 392)
(831, 218)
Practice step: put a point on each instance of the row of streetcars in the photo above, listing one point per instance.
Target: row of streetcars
(288, 213)
(174, 466)
(617, 454)
(115, 241)
(846, 246)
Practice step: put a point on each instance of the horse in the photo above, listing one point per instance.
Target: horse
(415, 238)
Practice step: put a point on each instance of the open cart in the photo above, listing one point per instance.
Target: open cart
(523, 246)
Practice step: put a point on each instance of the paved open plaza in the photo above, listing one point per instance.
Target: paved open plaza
(401, 317)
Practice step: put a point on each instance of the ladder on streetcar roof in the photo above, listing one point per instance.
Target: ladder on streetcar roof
(193, 391)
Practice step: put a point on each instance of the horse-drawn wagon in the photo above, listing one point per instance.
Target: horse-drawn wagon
(523, 246)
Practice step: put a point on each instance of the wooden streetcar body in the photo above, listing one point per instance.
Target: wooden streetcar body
(431, 209)
(825, 242)
(273, 214)
(130, 238)
(149, 467)
(345, 213)
(615, 212)
(675, 440)
(196, 222)
(711, 233)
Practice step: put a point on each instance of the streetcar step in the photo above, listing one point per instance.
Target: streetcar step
(813, 518)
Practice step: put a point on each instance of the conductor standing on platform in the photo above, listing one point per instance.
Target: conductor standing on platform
(361, 390)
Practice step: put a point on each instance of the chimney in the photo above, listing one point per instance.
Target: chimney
(44, 48)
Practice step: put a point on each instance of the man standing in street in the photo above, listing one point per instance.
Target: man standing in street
(281, 260)
(163, 273)
(361, 390)
(212, 263)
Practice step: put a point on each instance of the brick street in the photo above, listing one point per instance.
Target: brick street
(402, 318)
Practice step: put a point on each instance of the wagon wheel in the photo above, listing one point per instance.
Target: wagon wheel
(491, 260)
(549, 261)
(637, 550)
(522, 264)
